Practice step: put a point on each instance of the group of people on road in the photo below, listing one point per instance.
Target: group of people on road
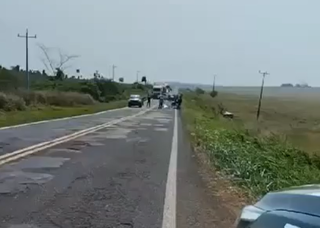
(176, 102)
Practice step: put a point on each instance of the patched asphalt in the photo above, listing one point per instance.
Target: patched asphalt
(115, 177)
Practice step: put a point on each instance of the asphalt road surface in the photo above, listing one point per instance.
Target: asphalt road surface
(137, 173)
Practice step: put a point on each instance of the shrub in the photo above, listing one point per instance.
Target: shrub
(68, 99)
(11, 102)
(199, 91)
(213, 93)
(33, 97)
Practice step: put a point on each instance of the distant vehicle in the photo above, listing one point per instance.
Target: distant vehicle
(297, 207)
(157, 90)
(135, 100)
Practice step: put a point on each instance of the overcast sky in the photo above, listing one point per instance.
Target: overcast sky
(172, 40)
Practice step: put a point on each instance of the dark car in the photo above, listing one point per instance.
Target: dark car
(296, 207)
(135, 100)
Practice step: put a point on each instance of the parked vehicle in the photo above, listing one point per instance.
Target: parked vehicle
(135, 100)
(297, 207)
(157, 91)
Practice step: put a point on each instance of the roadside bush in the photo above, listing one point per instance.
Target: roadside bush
(66, 99)
(11, 102)
(214, 93)
(33, 97)
(199, 91)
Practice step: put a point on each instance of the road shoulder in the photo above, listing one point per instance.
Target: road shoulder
(205, 198)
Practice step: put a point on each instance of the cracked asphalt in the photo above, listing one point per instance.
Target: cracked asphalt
(115, 177)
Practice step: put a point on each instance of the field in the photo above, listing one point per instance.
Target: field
(291, 113)
(278, 151)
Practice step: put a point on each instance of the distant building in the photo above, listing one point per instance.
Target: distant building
(286, 85)
(303, 85)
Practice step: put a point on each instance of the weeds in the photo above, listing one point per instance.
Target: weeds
(256, 163)
(21, 99)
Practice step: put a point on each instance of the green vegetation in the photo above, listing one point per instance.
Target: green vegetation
(256, 162)
(54, 112)
(59, 95)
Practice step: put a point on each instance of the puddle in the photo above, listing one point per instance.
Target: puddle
(163, 120)
(137, 139)
(120, 133)
(161, 129)
(127, 124)
(96, 144)
(146, 124)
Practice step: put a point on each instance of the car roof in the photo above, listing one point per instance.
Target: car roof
(304, 199)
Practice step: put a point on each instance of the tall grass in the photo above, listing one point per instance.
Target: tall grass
(256, 163)
(21, 99)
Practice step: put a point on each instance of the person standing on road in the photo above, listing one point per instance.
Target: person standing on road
(148, 101)
(179, 100)
(161, 101)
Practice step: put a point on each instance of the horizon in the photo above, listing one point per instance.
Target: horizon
(182, 40)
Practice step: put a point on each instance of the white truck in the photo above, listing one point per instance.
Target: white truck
(157, 90)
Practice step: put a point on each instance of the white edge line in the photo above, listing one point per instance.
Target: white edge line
(169, 209)
(63, 118)
(41, 146)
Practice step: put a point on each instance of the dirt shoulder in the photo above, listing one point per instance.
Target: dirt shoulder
(205, 197)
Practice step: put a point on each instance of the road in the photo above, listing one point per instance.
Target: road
(139, 172)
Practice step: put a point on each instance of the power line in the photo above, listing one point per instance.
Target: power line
(27, 37)
(261, 92)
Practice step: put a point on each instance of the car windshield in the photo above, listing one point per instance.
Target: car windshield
(134, 96)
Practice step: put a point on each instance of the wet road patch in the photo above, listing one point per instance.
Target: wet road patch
(161, 129)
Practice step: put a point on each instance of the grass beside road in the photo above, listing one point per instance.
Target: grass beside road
(253, 160)
(52, 112)
(294, 119)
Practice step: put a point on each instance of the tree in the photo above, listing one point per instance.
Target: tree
(199, 91)
(121, 79)
(144, 79)
(96, 75)
(44, 73)
(56, 65)
(16, 68)
(59, 74)
(213, 93)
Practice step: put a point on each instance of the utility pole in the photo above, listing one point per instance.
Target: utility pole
(113, 68)
(261, 91)
(138, 76)
(27, 37)
(214, 82)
